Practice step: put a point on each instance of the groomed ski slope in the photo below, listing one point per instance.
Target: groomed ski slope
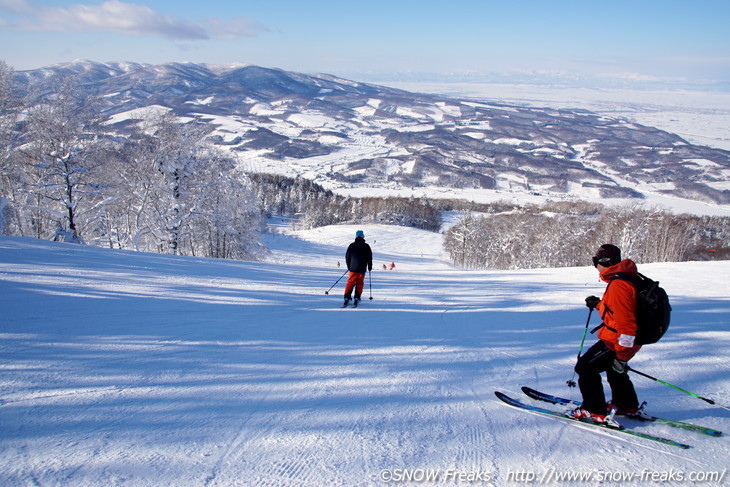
(122, 368)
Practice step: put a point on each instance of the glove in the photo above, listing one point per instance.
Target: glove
(592, 301)
(620, 366)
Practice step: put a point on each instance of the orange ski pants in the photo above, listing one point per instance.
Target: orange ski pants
(356, 281)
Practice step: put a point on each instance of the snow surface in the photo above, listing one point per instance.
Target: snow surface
(123, 368)
(700, 117)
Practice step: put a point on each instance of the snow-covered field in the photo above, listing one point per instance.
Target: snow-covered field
(122, 368)
(701, 117)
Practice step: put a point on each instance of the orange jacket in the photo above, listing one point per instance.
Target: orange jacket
(618, 311)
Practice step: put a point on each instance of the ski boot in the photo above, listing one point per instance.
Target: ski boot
(634, 413)
(602, 419)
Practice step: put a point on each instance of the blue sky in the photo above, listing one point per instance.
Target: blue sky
(638, 39)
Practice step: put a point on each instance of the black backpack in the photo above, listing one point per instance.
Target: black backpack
(652, 307)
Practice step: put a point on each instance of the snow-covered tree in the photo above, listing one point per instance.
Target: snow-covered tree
(228, 218)
(566, 236)
(59, 158)
(8, 120)
(176, 194)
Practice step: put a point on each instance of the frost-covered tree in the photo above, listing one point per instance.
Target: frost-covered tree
(174, 154)
(228, 219)
(176, 194)
(59, 158)
(460, 239)
(567, 236)
(9, 110)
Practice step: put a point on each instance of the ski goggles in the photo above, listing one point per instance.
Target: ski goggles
(604, 261)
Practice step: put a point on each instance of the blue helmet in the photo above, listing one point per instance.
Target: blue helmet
(360, 233)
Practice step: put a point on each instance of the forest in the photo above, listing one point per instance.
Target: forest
(566, 234)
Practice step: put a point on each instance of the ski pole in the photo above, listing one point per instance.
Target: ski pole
(371, 284)
(333, 285)
(678, 388)
(571, 382)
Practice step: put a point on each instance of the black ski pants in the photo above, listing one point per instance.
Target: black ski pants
(599, 359)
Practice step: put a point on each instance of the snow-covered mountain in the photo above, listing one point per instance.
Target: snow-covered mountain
(134, 369)
(346, 134)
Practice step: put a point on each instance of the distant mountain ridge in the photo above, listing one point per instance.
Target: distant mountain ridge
(345, 133)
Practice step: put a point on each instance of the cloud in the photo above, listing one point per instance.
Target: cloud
(15, 6)
(123, 18)
(233, 28)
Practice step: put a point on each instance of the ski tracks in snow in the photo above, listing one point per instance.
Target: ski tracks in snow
(182, 387)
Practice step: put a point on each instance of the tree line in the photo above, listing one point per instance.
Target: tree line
(313, 206)
(567, 235)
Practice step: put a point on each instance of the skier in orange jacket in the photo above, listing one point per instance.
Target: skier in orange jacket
(616, 345)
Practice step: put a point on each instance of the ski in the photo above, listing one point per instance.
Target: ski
(547, 412)
(355, 303)
(541, 396)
